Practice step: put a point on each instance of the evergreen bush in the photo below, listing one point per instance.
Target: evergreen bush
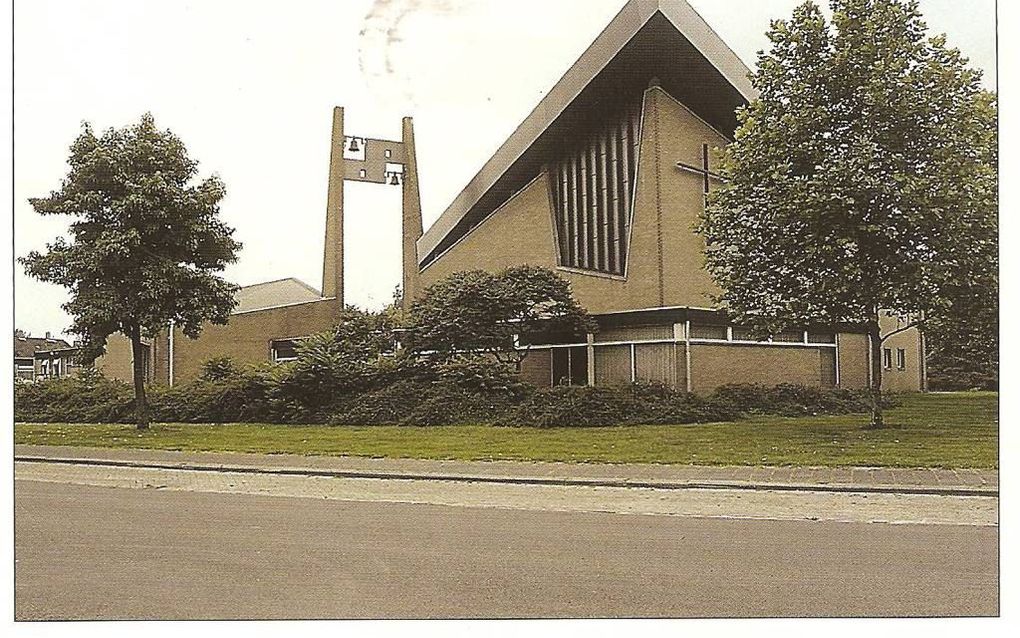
(399, 391)
(85, 398)
(638, 404)
(795, 400)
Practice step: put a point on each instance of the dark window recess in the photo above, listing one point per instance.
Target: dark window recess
(706, 331)
(551, 337)
(744, 334)
(570, 366)
(821, 337)
(828, 371)
(579, 366)
(561, 366)
(789, 336)
(592, 188)
(901, 359)
(284, 350)
(887, 359)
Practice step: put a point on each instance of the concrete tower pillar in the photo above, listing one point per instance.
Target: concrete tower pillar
(333, 255)
(411, 224)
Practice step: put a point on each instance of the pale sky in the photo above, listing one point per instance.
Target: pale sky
(250, 87)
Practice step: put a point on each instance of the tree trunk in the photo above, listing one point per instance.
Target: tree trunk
(138, 364)
(875, 343)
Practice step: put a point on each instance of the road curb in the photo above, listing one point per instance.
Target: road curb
(523, 480)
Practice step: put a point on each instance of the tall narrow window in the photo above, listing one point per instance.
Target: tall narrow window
(887, 358)
(827, 358)
(570, 366)
(593, 187)
(901, 359)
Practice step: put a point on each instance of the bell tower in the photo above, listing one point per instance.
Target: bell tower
(376, 161)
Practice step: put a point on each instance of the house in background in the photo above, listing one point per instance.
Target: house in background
(602, 183)
(31, 352)
(57, 363)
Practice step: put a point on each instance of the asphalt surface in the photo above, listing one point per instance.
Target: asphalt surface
(88, 552)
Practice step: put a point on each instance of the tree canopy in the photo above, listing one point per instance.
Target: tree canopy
(481, 312)
(862, 178)
(146, 242)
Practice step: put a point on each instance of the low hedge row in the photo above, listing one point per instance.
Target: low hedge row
(452, 396)
(86, 398)
(638, 404)
(795, 400)
(423, 403)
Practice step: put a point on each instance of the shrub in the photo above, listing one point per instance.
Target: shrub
(385, 406)
(403, 390)
(571, 406)
(421, 402)
(482, 374)
(347, 359)
(221, 394)
(957, 378)
(795, 400)
(449, 404)
(219, 368)
(85, 398)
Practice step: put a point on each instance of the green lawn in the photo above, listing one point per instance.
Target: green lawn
(935, 430)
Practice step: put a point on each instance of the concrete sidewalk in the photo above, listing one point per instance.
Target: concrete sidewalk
(962, 482)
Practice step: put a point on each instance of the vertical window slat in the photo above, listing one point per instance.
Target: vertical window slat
(562, 214)
(593, 206)
(583, 260)
(604, 205)
(614, 187)
(573, 212)
(593, 192)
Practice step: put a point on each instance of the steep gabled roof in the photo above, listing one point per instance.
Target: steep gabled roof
(666, 39)
(270, 294)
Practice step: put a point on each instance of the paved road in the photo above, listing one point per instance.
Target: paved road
(87, 551)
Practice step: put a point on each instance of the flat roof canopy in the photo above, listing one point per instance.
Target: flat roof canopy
(664, 39)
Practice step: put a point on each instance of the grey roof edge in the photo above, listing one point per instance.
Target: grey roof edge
(631, 18)
(281, 280)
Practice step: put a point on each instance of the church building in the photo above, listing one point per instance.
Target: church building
(603, 183)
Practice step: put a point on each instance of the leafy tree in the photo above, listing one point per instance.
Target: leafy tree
(860, 179)
(963, 341)
(478, 312)
(963, 344)
(146, 243)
